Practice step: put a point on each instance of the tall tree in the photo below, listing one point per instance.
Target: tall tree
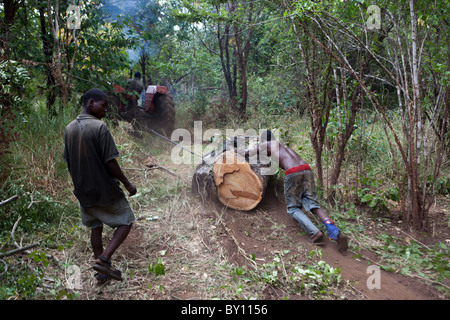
(65, 46)
(10, 8)
(327, 89)
(244, 15)
(47, 48)
(233, 22)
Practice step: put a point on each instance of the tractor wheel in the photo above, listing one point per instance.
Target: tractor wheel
(164, 115)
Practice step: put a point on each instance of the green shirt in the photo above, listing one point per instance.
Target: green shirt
(89, 145)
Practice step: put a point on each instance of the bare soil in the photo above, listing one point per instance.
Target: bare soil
(262, 239)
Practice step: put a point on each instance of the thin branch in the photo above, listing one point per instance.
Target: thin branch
(18, 250)
(372, 96)
(9, 200)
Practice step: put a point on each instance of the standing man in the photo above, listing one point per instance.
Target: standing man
(299, 189)
(90, 153)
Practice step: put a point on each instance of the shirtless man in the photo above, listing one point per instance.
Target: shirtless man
(299, 189)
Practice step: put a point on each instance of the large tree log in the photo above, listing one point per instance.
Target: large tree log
(228, 177)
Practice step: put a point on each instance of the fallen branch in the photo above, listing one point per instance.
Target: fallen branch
(236, 242)
(9, 200)
(18, 250)
(26, 248)
(6, 267)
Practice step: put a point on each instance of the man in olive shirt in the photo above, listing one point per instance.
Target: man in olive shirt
(90, 153)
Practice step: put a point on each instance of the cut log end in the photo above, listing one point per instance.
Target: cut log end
(238, 186)
(227, 177)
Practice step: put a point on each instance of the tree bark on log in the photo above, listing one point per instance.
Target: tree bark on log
(228, 177)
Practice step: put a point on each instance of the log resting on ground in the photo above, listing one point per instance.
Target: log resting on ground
(225, 175)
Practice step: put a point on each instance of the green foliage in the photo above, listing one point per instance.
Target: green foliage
(102, 55)
(274, 101)
(37, 211)
(376, 201)
(98, 48)
(376, 193)
(414, 258)
(157, 268)
(315, 279)
(21, 281)
(12, 77)
(21, 284)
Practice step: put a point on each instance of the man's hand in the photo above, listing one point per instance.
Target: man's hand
(131, 189)
(114, 168)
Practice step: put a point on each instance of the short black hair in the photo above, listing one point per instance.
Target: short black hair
(267, 136)
(137, 75)
(96, 94)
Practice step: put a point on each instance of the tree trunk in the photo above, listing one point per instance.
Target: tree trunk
(47, 46)
(343, 139)
(10, 8)
(228, 64)
(230, 179)
(63, 59)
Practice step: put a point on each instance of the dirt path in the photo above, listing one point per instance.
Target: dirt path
(269, 229)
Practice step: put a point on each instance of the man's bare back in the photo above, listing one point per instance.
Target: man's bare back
(285, 156)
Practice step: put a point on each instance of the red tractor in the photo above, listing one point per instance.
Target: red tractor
(158, 112)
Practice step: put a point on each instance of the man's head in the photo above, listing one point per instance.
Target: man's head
(95, 102)
(267, 136)
(137, 75)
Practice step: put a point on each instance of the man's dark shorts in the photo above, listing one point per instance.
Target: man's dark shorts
(117, 214)
(300, 190)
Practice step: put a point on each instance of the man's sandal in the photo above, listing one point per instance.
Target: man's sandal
(103, 265)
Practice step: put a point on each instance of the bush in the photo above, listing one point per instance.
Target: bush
(37, 210)
(38, 173)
